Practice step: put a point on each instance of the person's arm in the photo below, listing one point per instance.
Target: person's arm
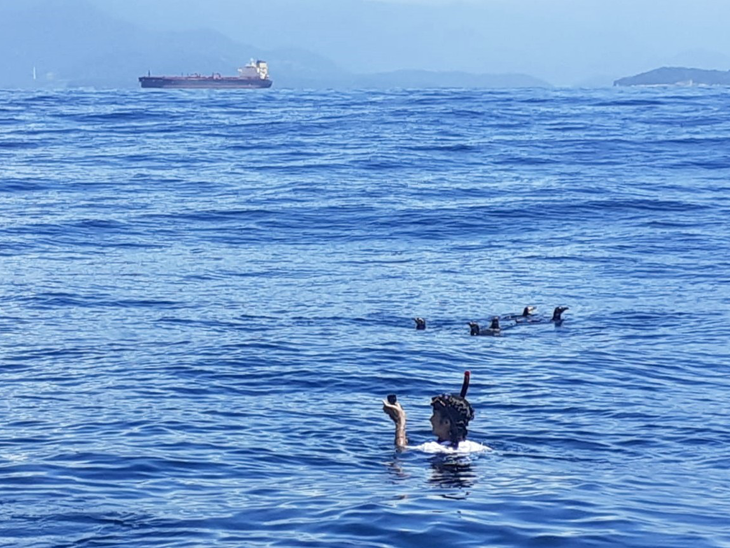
(398, 415)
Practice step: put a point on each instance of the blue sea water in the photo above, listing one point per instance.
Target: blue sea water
(204, 296)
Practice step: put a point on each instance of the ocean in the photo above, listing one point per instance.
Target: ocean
(205, 296)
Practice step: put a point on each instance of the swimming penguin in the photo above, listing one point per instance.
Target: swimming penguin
(493, 329)
(527, 312)
(420, 323)
(557, 314)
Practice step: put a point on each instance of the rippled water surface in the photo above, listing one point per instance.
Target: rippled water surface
(205, 295)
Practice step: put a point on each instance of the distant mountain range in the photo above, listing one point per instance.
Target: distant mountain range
(677, 76)
(50, 44)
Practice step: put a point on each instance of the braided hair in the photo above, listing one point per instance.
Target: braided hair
(458, 411)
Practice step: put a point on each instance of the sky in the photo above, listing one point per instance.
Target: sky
(565, 42)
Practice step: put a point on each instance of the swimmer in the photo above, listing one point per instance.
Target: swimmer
(449, 421)
(420, 323)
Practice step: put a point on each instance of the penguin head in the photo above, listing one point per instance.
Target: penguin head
(558, 312)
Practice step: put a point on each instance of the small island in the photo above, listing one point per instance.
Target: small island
(677, 76)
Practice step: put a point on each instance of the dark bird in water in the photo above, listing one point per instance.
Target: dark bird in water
(420, 323)
(528, 311)
(526, 315)
(557, 318)
(493, 328)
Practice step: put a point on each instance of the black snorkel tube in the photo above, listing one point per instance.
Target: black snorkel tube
(465, 384)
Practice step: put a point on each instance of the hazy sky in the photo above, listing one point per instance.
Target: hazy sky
(562, 41)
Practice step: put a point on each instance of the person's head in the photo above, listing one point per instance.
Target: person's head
(451, 416)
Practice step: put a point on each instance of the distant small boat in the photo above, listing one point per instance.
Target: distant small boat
(255, 75)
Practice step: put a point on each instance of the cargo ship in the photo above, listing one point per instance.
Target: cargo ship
(252, 76)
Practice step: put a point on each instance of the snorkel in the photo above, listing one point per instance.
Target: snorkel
(465, 384)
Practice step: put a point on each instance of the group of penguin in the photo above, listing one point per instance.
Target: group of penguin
(528, 316)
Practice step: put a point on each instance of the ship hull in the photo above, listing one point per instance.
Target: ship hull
(195, 82)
